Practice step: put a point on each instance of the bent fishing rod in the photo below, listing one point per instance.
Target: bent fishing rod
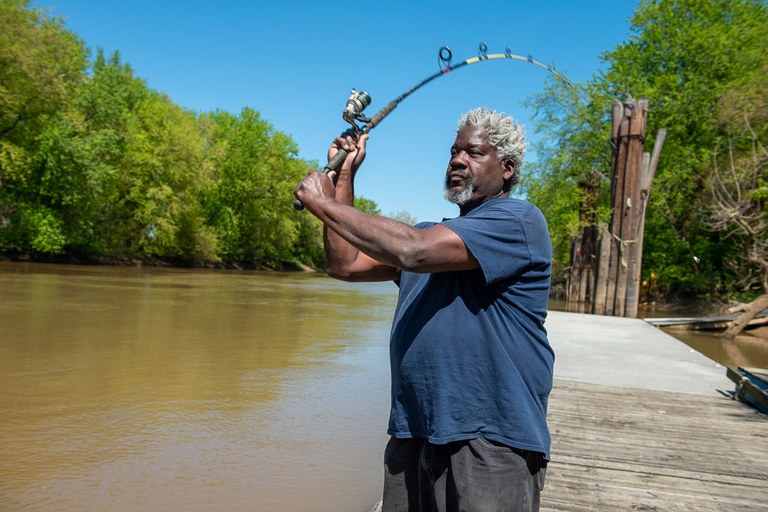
(359, 100)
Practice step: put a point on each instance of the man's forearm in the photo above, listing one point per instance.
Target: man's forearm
(385, 240)
(338, 252)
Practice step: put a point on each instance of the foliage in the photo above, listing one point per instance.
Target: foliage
(404, 216)
(683, 55)
(250, 203)
(368, 206)
(739, 180)
(93, 162)
(41, 66)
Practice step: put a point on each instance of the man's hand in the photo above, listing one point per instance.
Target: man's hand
(314, 189)
(355, 149)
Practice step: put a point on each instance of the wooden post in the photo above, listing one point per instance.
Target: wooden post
(582, 268)
(627, 292)
(622, 114)
(617, 256)
(605, 243)
(650, 162)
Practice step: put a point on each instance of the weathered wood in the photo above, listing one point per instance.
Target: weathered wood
(627, 291)
(582, 268)
(611, 284)
(741, 322)
(618, 184)
(627, 449)
(650, 162)
(602, 279)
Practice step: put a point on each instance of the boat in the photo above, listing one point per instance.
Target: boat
(751, 386)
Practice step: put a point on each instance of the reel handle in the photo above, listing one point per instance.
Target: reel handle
(332, 164)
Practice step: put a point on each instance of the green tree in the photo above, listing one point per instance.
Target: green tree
(739, 189)
(366, 205)
(81, 170)
(164, 159)
(405, 217)
(683, 55)
(254, 169)
(41, 66)
(93, 162)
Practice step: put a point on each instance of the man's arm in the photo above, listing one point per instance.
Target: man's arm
(367, 247)
(344, 261)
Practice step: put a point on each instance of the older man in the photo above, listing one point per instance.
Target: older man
(470, 360)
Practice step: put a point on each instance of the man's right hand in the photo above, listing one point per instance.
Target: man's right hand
(355, 148)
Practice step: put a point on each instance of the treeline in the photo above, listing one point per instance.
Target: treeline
(95, 163)
(703, 64)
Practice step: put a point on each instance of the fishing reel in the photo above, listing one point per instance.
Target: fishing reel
(353, 111)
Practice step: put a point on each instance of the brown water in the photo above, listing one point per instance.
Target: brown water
(134, 389)
(163, 390)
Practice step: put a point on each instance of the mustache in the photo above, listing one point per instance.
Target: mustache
(456, 174)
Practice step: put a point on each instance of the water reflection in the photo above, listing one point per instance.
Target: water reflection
(133, 389)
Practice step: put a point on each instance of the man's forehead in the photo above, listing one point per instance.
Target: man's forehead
(473, 135)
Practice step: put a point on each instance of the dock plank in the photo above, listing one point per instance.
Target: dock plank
(638, 449)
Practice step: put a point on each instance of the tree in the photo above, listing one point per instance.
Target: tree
(683, 55)
(366, 205)
(41, 63)
(739, 188)
(404, 216)
(41, 66)
(164, 161)
(254, 169)
(80, 171)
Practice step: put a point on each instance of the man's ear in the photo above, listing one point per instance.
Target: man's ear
(509, 173)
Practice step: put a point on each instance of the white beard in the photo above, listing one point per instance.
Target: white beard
(461, 196)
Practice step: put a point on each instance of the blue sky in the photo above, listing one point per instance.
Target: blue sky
(296, 61)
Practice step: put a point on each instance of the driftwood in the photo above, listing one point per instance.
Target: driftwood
(750, 312)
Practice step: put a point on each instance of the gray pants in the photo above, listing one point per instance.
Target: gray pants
(473, 476)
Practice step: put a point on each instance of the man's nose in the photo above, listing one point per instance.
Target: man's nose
(459, 160)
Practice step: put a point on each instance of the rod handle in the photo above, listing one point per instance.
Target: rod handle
(332, 165)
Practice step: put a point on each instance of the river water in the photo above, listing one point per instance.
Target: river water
(134, 389)
(161, 390)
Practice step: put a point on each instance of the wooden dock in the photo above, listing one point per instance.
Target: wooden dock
(641, 422)
(617, 449)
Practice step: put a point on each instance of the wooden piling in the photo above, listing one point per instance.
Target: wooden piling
(616, 255)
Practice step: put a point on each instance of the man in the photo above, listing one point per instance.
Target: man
(471, 364)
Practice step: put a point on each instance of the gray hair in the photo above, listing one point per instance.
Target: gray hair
(503, 133)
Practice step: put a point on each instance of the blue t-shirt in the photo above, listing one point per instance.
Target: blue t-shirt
(469, 351)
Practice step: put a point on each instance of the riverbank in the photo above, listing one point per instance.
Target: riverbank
(676, 307)
(147, 261)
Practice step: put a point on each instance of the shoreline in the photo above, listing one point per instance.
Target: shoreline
(147, 261)
(699, 307)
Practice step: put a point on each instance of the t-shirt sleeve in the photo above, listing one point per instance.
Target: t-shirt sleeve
(505, 241)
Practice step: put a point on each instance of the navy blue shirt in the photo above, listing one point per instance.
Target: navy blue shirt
(469, 351)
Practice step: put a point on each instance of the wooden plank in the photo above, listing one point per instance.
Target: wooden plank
(627, 449)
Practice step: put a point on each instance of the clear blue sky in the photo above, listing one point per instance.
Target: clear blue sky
(296, 61)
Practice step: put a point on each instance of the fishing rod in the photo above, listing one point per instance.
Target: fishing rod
(359, 100)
